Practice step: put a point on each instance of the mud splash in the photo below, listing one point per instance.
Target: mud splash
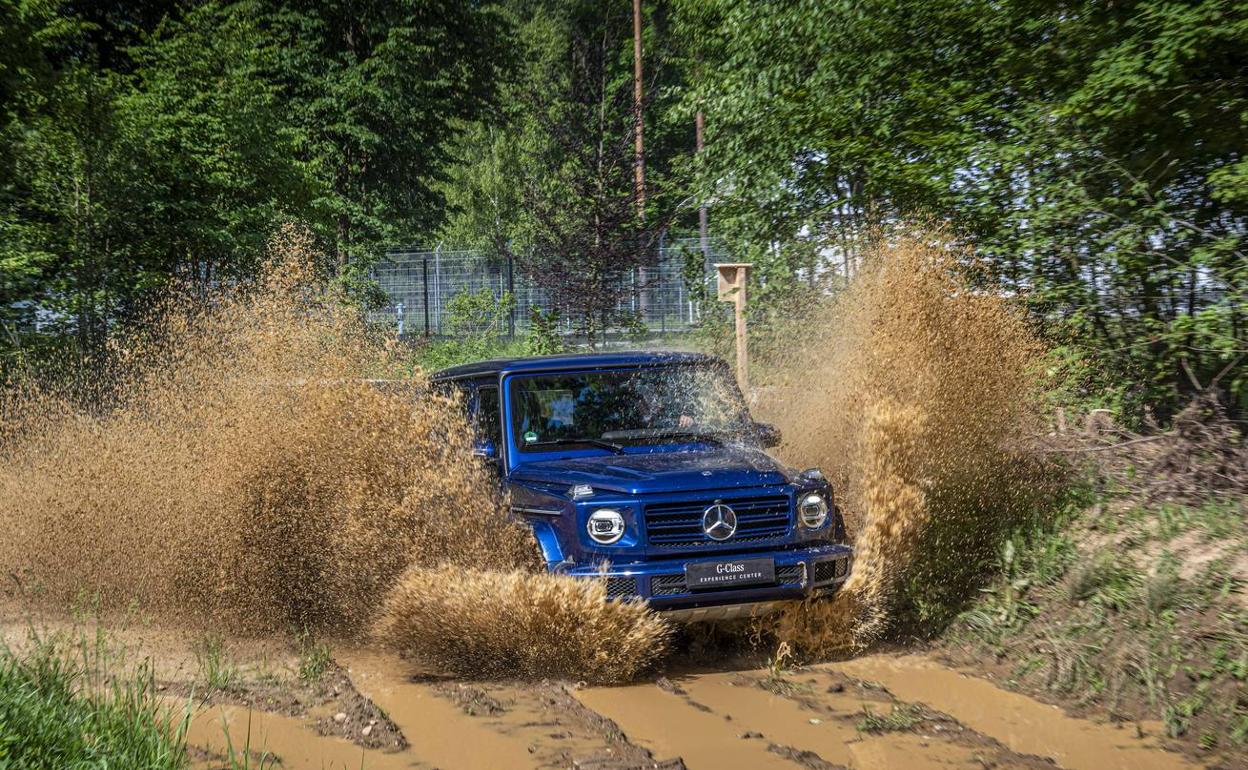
(519, 624)
(917, 396)
(235, 467)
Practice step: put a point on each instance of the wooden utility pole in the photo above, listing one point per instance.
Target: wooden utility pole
(703, 241)
(639, 153)
(639, 158)
(733, 279)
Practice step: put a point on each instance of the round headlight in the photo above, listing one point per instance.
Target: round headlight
(813, 510)
(605, 526)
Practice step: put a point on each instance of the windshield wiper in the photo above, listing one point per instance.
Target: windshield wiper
(701, 435)
(653, 434)
(600, 443)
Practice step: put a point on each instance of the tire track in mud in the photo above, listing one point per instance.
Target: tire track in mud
(671, 726)
(229, 730)
(746, 720)
(926, 716)
(440, 734)
(1022, 724)
(453, 724)
(812, 719)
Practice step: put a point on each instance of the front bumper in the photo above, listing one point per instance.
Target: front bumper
(800, 573)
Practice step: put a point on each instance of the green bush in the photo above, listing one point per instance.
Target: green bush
(543, 336)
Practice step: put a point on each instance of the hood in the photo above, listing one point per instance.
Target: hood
(638, 473)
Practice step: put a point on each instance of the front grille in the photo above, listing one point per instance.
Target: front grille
(669, 585)
(621, 587)
(827, 571)
(666, 585)
(791, 573)
(759, 519)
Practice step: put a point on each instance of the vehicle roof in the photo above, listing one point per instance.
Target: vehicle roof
(564, 361)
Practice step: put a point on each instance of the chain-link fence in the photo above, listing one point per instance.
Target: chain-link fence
(421, 282)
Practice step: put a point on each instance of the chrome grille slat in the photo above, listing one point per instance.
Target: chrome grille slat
(680, 524)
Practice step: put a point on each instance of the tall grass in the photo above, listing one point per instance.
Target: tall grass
(62, 707)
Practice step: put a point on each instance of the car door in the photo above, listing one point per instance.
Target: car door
(487, 424)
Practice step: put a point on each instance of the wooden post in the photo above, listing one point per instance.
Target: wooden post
(639, 146)
(733, 279)
(703, 241)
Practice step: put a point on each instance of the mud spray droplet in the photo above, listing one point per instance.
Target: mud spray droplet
(230, 465)
(917, 394)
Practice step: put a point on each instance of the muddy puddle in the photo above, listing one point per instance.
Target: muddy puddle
(1018, 722)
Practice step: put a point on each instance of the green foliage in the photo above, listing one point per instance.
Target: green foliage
(549, 180)
(247, 757)
(543, 338)
(144, 142)
(899, 719)
(477, 323)
(479, 315)
(315, 657)
(1076, 380)
(635, 329)
(1128, 606)
(1090, 152)
(60, 707)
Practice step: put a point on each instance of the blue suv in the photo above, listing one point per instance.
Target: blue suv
(646, 470)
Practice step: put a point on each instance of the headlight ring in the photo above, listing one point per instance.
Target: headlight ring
(605, 526)
(812, 511)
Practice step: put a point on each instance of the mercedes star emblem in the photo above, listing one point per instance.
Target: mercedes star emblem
(719, 522)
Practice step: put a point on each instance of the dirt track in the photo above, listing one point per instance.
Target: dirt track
(375, 710)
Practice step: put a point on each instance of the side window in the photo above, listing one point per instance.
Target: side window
(489, 422)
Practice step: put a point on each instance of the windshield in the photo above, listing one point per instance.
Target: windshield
(628, 406)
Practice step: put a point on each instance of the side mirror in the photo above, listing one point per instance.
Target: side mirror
(485, 449)
(767, 434)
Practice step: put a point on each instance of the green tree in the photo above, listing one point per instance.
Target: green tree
(1093, 153)
(549, 179)
(376, 91)
(148, 140)
(220, 158)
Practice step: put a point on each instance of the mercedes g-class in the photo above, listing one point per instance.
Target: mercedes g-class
(645, 470)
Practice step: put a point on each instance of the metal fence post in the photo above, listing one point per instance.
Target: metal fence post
(437, 284)
(511, 289)
(424, 284)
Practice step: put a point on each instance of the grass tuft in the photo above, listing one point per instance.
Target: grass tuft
(61, 706)
(215, 669)
(900, 719)
(314, 657)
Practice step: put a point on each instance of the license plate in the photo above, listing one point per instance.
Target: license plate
(724, 574)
